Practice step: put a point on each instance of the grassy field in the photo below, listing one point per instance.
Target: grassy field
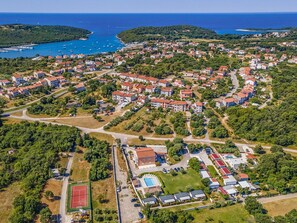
(107, 189)
(144, 116)
(212, 171)
(181, 182)
(85, 122)
(280, 207)
(145, 142)
(80, 168)
(103, 136)
(231, 214)
(10, 121)
(55, 186)
(6, 198)
(188, 206)
(121, 160)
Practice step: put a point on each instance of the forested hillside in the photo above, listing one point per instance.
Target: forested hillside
(17, 34)
(277, 123)
(165, 33)
(29, 150)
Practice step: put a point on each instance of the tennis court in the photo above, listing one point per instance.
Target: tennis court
(78, 196)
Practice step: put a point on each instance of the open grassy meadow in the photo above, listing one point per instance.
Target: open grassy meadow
(230, 214)
(55, 186)
(103, 137)
(80, 168)
(281, 207)
(180, 182)
(6, 199)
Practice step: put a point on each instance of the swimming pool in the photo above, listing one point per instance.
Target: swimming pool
(149, 182)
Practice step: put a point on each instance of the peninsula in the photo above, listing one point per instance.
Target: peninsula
(19, 34)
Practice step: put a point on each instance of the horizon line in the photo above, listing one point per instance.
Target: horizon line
(149, 12)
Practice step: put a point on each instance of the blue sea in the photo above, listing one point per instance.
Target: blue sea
(105, 27)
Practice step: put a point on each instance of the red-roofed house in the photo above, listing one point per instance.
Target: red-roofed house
(121, 96)
(197, 107)
(225, 171)
(219, 163)
(166, 91)
(243, 177)
(228, 102)
(186, 94)
(214, 156)
(145, 157)
(159, 103)
(128, 86)
(178, 106)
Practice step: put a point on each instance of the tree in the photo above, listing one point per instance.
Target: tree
(276, 148)
(194, 163)
(259, 149)
(49, 195)
(141, 138)
(205, 182)
(193, 148)
(262, 218)
(45, 215)
(253, 206)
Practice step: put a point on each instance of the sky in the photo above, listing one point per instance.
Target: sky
(147, 6)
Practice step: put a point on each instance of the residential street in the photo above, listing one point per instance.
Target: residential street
(235, 83)
(64, 191)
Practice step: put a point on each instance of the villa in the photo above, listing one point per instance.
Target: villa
(149, 201)
(197, 195)
(167, 199)
(182, 196)
(145, 157)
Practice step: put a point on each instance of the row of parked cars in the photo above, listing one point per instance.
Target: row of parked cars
(176, 169)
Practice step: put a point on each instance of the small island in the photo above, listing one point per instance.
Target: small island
(19, 34)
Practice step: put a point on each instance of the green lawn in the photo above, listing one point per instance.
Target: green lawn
(181, 182)
(232, 214)
(212, 171)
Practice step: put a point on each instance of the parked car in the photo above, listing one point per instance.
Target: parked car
(133, 199)
(140, 215)
(119, 189)
(136, 205)
(164, 170)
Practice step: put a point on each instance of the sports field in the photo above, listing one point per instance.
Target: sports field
(79, 196)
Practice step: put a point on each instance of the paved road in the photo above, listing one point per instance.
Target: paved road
(64, 191)
(125, 137)
(235, 83)
(265, 200)
(128, 212)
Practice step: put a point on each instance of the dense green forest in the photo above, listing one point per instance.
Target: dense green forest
(10, 66)
(18, 34)
(277, 170)
(34, 149)
(168, 33)
(187, 32)
(29, 150)
(277, 123)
